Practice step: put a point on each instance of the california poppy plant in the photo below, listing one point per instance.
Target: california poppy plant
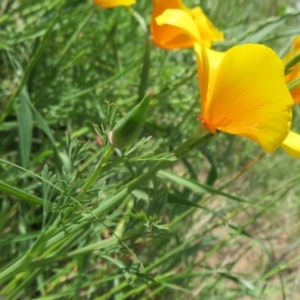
(113, 3)
(295, 71)
(243, 91)
(170, 37)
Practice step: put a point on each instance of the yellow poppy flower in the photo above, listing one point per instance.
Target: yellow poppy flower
(170, 37)
(113, 3)
(243, 91)
(295, 73)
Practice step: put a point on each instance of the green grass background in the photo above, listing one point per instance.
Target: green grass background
(63, 65)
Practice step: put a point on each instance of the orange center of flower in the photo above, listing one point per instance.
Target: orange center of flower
(209, 127)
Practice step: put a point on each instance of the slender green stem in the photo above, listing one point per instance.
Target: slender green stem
(291, 63)
(145, 69)
(95, 175)
(293, 84)
(201, 136)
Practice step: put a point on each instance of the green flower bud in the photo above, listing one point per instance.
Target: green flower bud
(129, 127)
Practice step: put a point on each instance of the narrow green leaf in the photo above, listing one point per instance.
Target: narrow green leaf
(176, 199)
(25, 131)
(258, 35)
(45, 127)
(198, 187)
(291, 63)
(213, 173)
(294, 84)
(122, 267)
(10, 190)
(145, 70)
(11, 239)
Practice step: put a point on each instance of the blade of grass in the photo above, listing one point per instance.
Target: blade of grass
(19, 194)
(25, 131)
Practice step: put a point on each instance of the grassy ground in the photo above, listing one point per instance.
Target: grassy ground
(66, 66)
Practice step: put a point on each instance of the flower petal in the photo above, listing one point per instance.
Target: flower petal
(249, 96)
(208, 62)
(292, 144)
(208, 32)
(170, 37)
(167, 36)
(203, 72)
(113, 3)
(182, 21)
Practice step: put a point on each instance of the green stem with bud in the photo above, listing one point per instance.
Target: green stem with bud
(198, 138)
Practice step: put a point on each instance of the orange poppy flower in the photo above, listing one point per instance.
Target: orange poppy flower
(295, 72)
(170, 37)
(243, 91)
(113, 3)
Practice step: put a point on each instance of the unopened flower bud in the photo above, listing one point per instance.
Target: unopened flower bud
(129, 127)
